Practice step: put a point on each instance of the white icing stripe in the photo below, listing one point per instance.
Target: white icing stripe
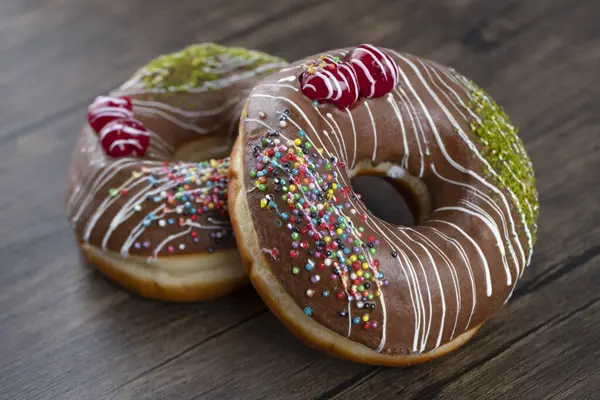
(374, 156)
(416, 133)
(451, 268)
(392, 103)
(486, 268)
(145, 104)
(438, 138)
(467, 263)
(493, 229)
(207, 86)
(277, 85)
(458, 98)
(476, 192)
(439, 282)
(168, 239)
(353, 135)
(413, 116)
(190, 127)
(471, 145)
(338, 134)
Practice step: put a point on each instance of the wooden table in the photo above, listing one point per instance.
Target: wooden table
(67, 333)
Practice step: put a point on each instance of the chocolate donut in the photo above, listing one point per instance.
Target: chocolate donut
(147, 192)
(341, 278)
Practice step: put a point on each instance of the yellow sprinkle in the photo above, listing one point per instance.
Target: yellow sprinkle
(327, 239)
(339, 231)
(334, 186)
(359, 273)
(365, 317)
(263, 203)
(353, 258)
(292, 188)
(136, 174)
(297, 142)
(365, 265)
(211, 206)
(377, 293)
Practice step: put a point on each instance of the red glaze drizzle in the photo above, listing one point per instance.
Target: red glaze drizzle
(330, 80)
(124, 137)
(376, 71)
(121, 135)
(105, 109)
(366, 71)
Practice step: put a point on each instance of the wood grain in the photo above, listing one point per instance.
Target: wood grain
(67, 333)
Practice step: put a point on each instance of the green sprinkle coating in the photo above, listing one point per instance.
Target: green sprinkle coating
(504, 151)
(200, 64)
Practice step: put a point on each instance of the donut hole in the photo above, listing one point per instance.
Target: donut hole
(388, 199)
(204, 148)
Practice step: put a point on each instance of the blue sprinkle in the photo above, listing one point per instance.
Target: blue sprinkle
(308, 311)
(171, 221)
(356, 320)
(325, 293)
(284, 216)
(346, 251)
(301, 133)
(310, 265)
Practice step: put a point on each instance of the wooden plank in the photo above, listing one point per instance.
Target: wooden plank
(80, 49)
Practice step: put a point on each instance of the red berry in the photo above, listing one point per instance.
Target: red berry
(376, 71)
(105, 109)
(327, 80)
(124, 138)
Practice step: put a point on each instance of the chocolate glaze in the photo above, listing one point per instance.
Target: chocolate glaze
(105, 218)
(438, 286)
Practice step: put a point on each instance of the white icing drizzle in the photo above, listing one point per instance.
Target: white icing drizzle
(148, 181)
(374, 131)
(477, 206)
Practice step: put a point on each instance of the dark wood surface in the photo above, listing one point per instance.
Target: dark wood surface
(67, 333)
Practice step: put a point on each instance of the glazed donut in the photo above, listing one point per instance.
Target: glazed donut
(147, 189)
(339, 277)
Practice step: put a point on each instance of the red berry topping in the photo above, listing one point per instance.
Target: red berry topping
(124, 138)
(377, 72)
(330, 80)
(105, 109)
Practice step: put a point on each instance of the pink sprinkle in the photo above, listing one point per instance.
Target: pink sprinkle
(170, 249)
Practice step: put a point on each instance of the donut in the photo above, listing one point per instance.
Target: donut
(342, 279)
(147, 186)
